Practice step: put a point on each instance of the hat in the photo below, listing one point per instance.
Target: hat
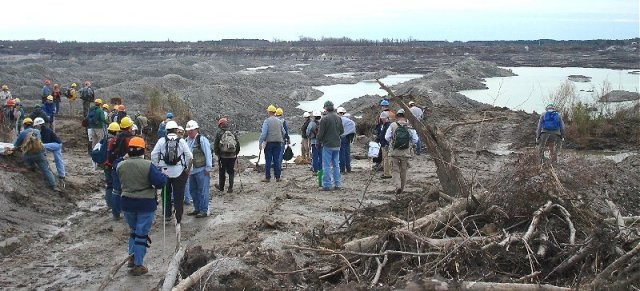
(306, 114)
(222, 122)
(271, 108)
(550, 106)
(400, 112)
(328, 104)
(317, 113)
(411, 103)
(384, 114)
(384, 102)
(192, 124)
(169, 115)
(38, 121)
(341, 110)
(50, 98)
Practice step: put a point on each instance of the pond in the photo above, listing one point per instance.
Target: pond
(532, 88)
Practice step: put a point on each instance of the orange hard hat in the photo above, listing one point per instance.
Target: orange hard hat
(136, 142)
(120, 107)
(47, 82)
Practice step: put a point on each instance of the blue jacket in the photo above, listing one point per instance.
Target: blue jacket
(48, 136)
(23, 134)
(38, 112)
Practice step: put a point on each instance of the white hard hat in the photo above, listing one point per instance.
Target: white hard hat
(317, 113)
(134, 127)
(400, 111)
(38, 121)
(341, 110)
(192, 124)
(306, 114)
(171, 125)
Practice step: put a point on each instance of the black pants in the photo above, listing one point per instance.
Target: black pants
(175, 187)
(226, 165)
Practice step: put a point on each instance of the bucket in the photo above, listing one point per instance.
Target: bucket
(374, 149)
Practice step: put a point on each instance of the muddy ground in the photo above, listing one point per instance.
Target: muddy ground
(69, 241)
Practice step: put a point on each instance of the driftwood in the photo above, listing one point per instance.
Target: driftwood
(194, 278)
(603, 277)
(427, 223)
(172, 270)
(454, 125)
(484, 286)
(112, 273)
(625, 219)
(449, 175)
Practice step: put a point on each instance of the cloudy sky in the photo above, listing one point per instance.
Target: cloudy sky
(189, 20)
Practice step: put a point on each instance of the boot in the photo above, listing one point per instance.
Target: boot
(230, 190)
(221, 180)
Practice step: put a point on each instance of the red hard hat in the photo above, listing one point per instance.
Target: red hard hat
(11, 102)
(47, 82)
(222, 122)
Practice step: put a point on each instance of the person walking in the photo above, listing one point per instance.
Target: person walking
(279, 114)
(162, 131)
(305, 147)
(52, 144)
(111, 195)
(419, 114)
(198, 184)
(329, 136)
(316, 147)
(87, 96)
(349, 127)
(550, 130)
(226, 146)
(380, 132)
(271, 139)
(400, 137)
(96, 123)
(50, 109)
(138, 179)
(171, 153)
(72, 96)
(30, 142)
(46, 91)
(56, 92)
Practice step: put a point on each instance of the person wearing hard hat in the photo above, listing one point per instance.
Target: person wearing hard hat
(271, 138)
(329, 136)
(226, 147)
(5, 94)
(7, 112)
(46, 91)
(346, 139)
(119, 112)
(96, 123)
(138, 178)
(72, 96)
(111, 195)
(419, 114)
(18, 114)
(202, 164)
(380, 131)
(87, 96)
(172, 154)
(400, 137)
(384, 105)
(50, 109)
(53, 144)
(279, 114)
(316, 147)
(56, 92)
(39, 112)
(34, 154)
(162, 131)
(304, 144)
(107, 113)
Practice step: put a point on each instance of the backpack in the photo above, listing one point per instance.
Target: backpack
(31, 143)
(304, 128)
(86, 94)
(199, 156)
(288, 154)
(551, 121)
(120, 145)
(162, 131)
(401, 137)
(171, 156)
(67, 93)
(92, 117)
(227, 142)
(99, 152)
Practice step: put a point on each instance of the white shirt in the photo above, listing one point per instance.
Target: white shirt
(159, 150)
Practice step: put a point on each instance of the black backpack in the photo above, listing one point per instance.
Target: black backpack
(86, 94)
(171, 156)
(304, 128)
(401, 137)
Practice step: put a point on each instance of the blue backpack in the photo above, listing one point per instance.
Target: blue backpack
(551, 121)
(99, 153)
(92, 116)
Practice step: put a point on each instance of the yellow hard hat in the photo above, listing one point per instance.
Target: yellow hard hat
(271, 108)
(113, 127)
(50, 98)
(27, 121)
(105, 106)
(98, 101)
(5, 87)
(74, 85)
(279, 111)
(126, 122)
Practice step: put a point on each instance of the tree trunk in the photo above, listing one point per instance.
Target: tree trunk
(448, 173)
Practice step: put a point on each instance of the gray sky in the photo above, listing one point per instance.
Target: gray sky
(190, 20)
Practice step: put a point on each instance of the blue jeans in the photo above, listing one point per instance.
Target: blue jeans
(345, 154)
(56, 149)
(199, 189)
(56, 105)
(418, 144)
(272, 153)
(42, 164)
(108, 187)
(139, 225)
(187, 194)
(316, 157)
(330, 167)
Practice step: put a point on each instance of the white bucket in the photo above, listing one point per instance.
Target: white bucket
(374, 149)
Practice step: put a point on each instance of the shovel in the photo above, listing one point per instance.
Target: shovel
(257, 161)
